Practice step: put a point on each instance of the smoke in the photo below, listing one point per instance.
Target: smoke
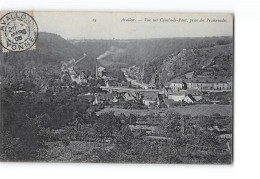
(112, 51)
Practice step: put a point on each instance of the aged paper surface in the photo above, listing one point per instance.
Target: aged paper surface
(112, 25)
(116, 87)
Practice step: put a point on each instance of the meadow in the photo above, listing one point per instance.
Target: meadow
(193, 110)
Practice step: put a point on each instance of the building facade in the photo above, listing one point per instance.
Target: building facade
(202, 84)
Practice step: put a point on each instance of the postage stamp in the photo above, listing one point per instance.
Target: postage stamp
(19, 31)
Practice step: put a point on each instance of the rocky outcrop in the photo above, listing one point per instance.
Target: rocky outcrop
(213, 61)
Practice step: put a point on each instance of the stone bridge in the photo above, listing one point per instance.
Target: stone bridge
(121, 89)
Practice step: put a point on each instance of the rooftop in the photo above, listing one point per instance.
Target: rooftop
(150, 95)
(191, 97)
(203, 79)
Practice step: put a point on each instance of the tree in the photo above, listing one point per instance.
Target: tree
(31, 139)
(107, 125)
(132, 119)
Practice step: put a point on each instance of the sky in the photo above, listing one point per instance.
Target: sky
(111, 25)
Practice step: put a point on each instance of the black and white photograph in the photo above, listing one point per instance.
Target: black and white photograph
(116, 87)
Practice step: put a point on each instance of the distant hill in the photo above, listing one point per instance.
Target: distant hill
(144, 50)
(216, 61)
(50, 48)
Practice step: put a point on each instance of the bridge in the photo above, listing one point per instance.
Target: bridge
(121, 89)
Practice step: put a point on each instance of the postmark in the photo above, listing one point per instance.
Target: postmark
(19, 31)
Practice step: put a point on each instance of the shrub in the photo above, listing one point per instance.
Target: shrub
(65, 141)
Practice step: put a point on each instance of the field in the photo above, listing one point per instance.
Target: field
(193, 110)
(76, 151)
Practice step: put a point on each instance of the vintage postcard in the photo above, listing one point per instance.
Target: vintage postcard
(116, 87)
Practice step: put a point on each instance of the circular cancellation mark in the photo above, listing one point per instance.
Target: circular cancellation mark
(19, 31)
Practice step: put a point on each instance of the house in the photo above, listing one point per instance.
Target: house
(101, 98)
(149, 102)
(189, 99)
(164, 91)
(176, 96)
(195, 94)
(151, 98)
(97, 100)
(101, 71)
(201, 82)
(197, 97)
(139, 129)
(115, 100)
(129, 97)
(108, 97)
(176, 85)
(168, 91)
(208, 83)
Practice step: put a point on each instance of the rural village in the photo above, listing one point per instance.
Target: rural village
(188, 88)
